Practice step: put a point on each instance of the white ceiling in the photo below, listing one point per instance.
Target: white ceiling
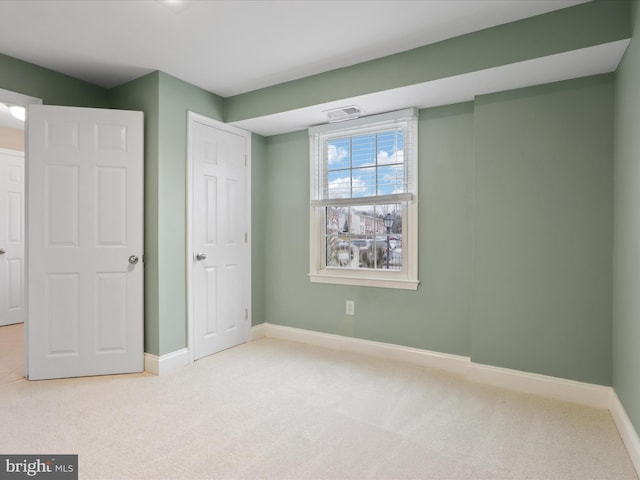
(231, 47)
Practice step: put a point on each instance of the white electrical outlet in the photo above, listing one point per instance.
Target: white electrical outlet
(351, 307)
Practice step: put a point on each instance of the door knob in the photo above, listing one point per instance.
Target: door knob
(201, 256)
(133, 259)
(2, 251)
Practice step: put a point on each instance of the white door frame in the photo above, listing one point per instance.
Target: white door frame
(16, 98)
(24, 100)
(192, 117)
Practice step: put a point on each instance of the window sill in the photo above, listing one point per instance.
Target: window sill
(398, 283)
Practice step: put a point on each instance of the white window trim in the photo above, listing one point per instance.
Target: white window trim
(406, 279)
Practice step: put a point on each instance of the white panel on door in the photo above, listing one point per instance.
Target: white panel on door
(210, 152)
(62, 205)
(232, 294)
(211, 301)
(110, 137)
(15, 217)
(112, 312)
(211, 210)
(16, 282)
(111, 204)
(232, 211)
(62, 300)
(61, 134)
(14, 175)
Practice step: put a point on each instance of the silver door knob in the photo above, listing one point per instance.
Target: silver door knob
(201, 256)
(133, 259)
(2, 251)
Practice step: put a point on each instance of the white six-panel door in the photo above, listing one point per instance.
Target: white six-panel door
(85, 237)
(220, 280)
(11, 237)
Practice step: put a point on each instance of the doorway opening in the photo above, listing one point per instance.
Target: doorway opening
(13, 260)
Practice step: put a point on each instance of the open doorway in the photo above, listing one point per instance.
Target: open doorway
(83, 198)
(12, 233)
(12, 254)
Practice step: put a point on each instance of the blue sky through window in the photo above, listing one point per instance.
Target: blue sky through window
(366, 165)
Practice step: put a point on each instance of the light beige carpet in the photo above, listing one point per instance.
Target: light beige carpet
(11, 353)
(278, 410)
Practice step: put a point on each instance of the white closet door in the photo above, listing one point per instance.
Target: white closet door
(220, 279)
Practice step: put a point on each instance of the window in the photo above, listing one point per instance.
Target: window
(364, 201)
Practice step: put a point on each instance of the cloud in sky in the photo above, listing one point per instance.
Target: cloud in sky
(389, 174)
(344, 188)
(391, 179)
(336, 154)
(384, 158)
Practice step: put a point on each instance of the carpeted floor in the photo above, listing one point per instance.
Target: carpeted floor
(271, 409)
(11, 353)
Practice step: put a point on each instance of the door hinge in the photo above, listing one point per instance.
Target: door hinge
(246, 314)
(246, 237)
(246, 159)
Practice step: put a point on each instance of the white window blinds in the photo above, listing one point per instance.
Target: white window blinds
(365, 161)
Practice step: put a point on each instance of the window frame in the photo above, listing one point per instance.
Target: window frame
(319, 272)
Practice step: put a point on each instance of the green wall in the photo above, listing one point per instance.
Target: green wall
(52, 87)
(176, 99)
(436, 317)
(143, 95)
(514, 243)
(585, 25)
(626, 305)
(166, 101)
(544, 202)
(258, 228)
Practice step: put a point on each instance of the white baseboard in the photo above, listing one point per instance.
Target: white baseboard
(442, 361)
(166, 363)
(569, 390)
(151, 363)
(626, 430)
(588, 394)
(257, 332)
